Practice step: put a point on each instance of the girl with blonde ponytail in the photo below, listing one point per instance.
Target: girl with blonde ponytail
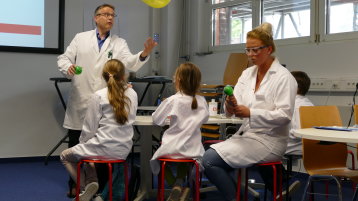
(107, 128)
(187, 112)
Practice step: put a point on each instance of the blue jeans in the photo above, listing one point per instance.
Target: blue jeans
(220, 174)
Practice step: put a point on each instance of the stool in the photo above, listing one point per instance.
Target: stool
(160, 196)
(109, 163)
(273, 165)
(290, 158)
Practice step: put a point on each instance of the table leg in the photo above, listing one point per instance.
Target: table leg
(143, 95)
(157, 101)
(60, 95)
(63, 140)
(145, 156)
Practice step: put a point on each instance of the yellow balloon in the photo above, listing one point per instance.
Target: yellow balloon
(156, 3)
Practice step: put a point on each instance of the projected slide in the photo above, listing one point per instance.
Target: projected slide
(23, 26)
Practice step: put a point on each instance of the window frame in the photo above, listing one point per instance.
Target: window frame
(317, 26)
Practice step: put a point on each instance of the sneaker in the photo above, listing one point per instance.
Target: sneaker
(89, 192)
(291, 189)
(185, 195)
(97, 198)
(175, 193)
(71, 193)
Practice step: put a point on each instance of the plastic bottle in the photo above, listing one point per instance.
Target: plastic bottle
(213, 108)
(78, 70)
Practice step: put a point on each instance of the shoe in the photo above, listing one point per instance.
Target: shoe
(97, 198)
(89, 192)
(175, 193)
(71, 193)
(291, 190)
(185, 195)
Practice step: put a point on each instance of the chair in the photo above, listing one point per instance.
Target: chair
(161, 176)
(324, 160)
(356, 113)
(109, 162)
(236, 64)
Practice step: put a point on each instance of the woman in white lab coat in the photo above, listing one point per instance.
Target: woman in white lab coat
(186, 112)
(264, 97)
(107, 130)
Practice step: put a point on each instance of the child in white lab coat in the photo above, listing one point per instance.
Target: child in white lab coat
(186, 112)
(107, 129)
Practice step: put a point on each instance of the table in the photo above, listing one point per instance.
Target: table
(63, 140)
(327, 135)
(146, 150)
(152, 80)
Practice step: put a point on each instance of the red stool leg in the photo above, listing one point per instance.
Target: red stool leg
(160, 196)
(274, 182)
(110, 181)
(238, 191)
(78, 182)
(197, 183)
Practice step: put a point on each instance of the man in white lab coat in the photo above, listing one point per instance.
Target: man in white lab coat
(91, 50)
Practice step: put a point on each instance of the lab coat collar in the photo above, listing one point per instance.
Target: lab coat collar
(105, 45)
(272, 70)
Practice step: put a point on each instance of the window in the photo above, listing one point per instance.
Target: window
(230, 24)
(289, 18)
(294, 21)
(342, 16)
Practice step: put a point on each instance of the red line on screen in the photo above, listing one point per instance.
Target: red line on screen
(20, 29)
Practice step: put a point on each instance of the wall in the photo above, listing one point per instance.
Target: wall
(31, 114)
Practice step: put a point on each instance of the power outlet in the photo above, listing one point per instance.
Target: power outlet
(320, 84)
(349, 84)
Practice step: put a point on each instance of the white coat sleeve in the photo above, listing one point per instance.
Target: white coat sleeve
(65, 60)
(130, 61)
(162, 112)
(92, 118)
(284, 101)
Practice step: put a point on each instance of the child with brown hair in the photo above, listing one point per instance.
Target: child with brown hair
(107, 129)
(187, 112)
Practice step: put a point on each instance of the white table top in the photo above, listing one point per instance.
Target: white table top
(327, 135)
(147, 120)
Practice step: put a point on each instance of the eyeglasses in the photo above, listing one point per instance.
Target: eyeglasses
(107, 15)
(254, 50)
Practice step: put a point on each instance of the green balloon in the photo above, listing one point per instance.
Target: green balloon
(228, 90)
(78, 70)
